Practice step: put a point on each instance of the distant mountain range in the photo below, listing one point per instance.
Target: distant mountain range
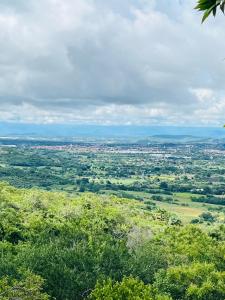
(65, 130)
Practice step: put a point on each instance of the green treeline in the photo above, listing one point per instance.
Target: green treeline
(54, 246)
(209, 199)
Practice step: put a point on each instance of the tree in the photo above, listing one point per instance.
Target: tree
(200, 281)
(163, 185)
(129, 289)
(207, 217)
(209, 7)
(29, 288)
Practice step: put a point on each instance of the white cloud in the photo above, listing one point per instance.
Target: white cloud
(95, 61)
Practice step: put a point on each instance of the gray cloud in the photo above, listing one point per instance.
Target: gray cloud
(102, 61)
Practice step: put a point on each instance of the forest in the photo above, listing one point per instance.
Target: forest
(56, 246)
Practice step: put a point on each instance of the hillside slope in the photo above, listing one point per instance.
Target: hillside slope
(54, 246)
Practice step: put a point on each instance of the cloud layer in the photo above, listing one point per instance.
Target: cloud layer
(110, 62)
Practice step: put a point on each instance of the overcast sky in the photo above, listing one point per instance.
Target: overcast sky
(111, 62)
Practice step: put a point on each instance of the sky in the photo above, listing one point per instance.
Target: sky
(130, 62)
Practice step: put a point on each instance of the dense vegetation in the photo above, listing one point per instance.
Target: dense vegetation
(57, 246)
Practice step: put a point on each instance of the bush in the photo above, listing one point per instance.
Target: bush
(28, 288)
(207, 217)
(129, 289)
(191, 282)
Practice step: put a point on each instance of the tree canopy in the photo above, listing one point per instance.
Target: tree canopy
(209, 7)
(56, 246)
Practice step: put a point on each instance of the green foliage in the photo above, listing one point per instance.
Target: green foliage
(27, 288)
(210, 7)
(207, 217)
(147, 259)
(75, 242)
(128, 289)
(191, 282)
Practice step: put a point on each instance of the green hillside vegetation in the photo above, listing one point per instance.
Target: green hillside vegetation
(187, 180)
(63, 247)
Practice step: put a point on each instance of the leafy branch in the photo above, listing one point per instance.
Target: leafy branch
(210, 7)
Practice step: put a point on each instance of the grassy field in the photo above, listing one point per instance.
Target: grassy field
(182, 207)
(186, 214)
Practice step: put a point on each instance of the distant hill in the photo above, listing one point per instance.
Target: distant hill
(66, 130)
(181, 139)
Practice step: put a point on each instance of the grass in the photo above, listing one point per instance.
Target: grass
(164, 177)
(185, 213)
